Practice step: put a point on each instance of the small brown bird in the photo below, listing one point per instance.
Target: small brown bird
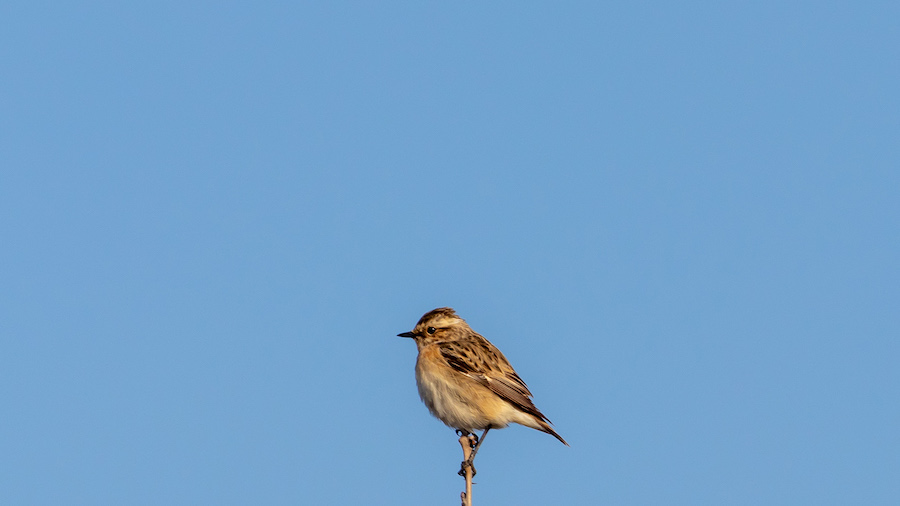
(466, 382)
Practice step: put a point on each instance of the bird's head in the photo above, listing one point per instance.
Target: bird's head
(436, 325)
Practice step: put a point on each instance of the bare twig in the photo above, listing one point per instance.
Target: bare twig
(467, 441)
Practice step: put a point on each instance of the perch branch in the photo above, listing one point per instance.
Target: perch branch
(467, 441)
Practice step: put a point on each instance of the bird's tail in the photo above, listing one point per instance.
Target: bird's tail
(549, 430)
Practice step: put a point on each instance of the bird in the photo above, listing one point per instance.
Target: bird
(466, 382)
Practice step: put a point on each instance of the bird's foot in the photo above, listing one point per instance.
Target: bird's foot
(473, 438)
(463, 466)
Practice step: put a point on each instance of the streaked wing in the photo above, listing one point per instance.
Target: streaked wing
(483, 362)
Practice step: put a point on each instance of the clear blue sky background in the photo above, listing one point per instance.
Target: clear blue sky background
(679, 220)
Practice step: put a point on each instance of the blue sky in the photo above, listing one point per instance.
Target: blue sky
(679, 223)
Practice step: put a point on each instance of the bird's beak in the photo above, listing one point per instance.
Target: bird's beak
(406, 334)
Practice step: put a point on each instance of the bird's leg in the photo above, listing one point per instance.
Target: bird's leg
(478, 441)
(475, 443)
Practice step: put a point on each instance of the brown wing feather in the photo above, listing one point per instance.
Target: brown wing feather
(492, 371)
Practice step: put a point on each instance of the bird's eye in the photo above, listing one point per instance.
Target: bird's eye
(432, 330)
